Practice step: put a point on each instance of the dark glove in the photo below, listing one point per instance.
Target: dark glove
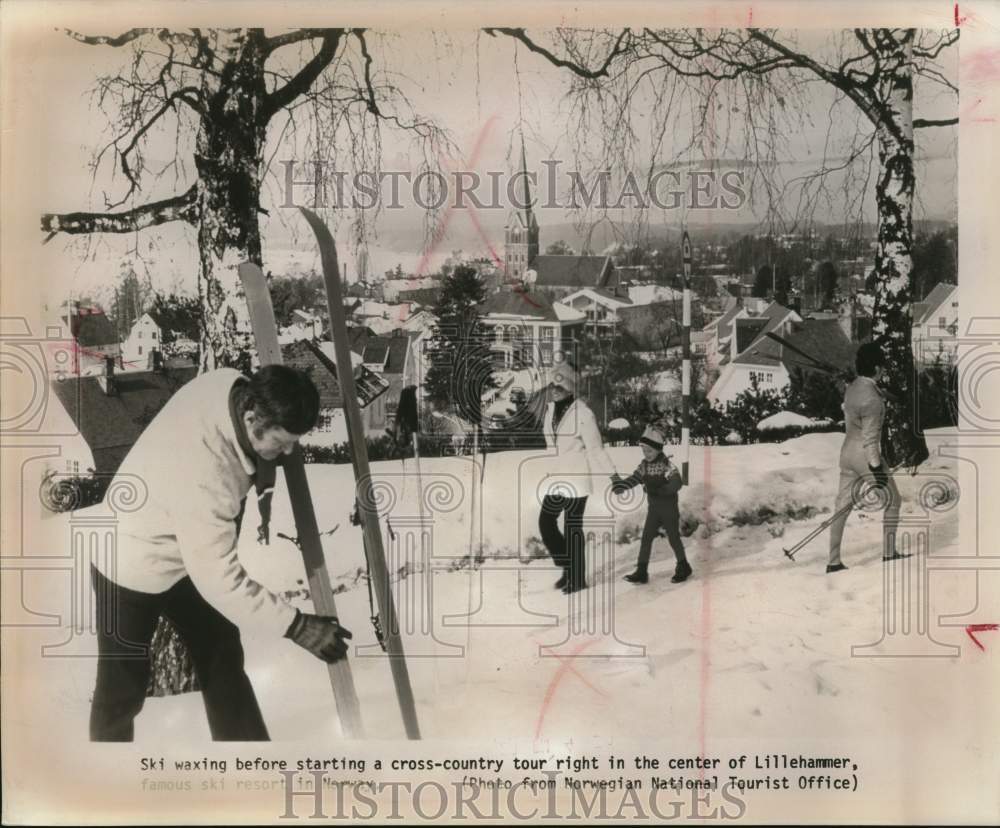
(618, 484)
(321, 635)
(881, 476)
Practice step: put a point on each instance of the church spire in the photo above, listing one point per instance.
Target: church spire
(529, 216)
(521, 231)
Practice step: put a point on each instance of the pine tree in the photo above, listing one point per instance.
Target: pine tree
(461, 367)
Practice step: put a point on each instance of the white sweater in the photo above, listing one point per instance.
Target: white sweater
(577, 441)
(196, 476)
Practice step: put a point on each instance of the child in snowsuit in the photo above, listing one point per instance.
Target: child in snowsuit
(661, 480)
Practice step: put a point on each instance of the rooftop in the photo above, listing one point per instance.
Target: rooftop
(571, 271)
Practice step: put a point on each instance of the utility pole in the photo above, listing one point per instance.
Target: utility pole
(686, 364)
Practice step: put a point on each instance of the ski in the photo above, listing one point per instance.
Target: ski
(362, 475)
(265, 331)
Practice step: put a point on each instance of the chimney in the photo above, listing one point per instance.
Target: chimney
(107, 379)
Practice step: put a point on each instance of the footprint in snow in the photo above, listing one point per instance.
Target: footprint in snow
(747, 667)
(824, 687)
(666, 659)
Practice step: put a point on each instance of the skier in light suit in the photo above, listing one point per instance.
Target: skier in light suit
(861, 454)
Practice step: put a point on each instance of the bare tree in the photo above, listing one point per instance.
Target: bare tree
(216, 94)
(873, 69)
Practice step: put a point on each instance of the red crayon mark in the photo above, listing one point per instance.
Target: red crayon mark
(750, 18)
(982, 66)
(974, 628)
(526, 297)
(566, 666)
(958, 20)
(441, 229)
(706, 613)
(966, 114)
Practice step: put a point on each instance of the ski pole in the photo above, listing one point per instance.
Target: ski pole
(790, 553)
(420, 486)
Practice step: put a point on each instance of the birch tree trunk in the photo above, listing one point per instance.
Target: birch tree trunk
(229, 158)
(893, 317)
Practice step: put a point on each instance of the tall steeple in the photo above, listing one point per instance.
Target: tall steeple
(521, 231)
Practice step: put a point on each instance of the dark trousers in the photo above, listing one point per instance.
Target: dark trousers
(126, 621)
(661, 512)
(567, 547)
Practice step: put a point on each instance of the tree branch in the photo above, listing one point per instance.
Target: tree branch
(372, 102)
(300, 83)
(849, 87)
(177, 208)
(296, 36)
(180, 94)
(165, 35)
(922, 123)
(576, 68)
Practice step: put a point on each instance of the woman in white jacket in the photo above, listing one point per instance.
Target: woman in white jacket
(571, 429)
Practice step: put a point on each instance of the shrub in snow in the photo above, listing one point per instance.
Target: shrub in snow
(750, 407)
(689, 523)
(816, 394)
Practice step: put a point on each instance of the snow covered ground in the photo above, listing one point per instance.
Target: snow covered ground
(753, 647)
(751, 641)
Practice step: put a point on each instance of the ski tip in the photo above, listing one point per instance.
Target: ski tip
(318, 225)
(245, 269)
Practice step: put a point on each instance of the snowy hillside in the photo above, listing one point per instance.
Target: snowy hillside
(753, 640)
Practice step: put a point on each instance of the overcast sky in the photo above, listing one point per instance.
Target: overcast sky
(487, 95)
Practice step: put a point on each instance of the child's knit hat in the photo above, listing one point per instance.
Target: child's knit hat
(653, 437)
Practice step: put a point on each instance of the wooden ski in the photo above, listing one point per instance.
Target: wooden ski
(265, 332)
(362, 475)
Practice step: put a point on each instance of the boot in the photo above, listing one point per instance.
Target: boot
(682, 572)
(837, 567)
(562, 579)
(640, 576)
(574, 586)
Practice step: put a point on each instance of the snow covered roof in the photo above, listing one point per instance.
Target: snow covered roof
(724, 324)
(648, 294)
(527, 304)
(822, 338)
(941, 294)
(600, 295)
(564, 313)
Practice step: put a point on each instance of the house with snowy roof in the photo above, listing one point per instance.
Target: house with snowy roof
(318, 360)
(526, 328)
(143, 338)
(718, 333)
(601, 307)
(562, 275)
(112, 409)
(935, 325)
(770, 364)
(95, 337)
